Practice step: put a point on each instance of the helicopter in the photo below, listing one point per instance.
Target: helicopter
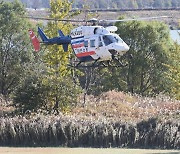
(91, 44)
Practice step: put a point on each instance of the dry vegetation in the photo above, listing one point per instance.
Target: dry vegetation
(114, 119)
(118, 106)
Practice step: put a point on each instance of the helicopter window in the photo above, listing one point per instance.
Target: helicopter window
(100, 42)
(86, 43)
(108, 39)
(118, 39)
(92, 43)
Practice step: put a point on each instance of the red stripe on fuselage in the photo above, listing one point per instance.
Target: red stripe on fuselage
(84, 54)
(78, 45)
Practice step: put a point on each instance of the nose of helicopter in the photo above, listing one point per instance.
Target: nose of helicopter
(126, 47)
(122, 48)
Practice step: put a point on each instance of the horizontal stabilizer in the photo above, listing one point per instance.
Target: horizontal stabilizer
(65, 47)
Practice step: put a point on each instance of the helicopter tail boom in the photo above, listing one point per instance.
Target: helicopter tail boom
(60, 40)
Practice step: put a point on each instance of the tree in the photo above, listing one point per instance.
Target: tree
(47, 83)
(14, 45)
(149, 45)
(107, 3)
(174, 71)
(63, 92)
(30, 95)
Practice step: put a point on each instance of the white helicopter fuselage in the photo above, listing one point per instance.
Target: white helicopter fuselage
(91, 43)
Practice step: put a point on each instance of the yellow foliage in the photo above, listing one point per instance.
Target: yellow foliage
(174, 71)
(60, 86)
(56, 58)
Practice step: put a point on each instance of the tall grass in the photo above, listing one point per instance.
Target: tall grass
(112, 120)
(68, 131)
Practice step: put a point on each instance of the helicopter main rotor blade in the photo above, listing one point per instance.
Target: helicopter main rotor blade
(93, 20)
(52, 19)
(134, 19)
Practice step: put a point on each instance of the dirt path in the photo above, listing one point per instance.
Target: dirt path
(6, 150)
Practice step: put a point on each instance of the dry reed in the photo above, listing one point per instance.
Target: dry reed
(113, 120)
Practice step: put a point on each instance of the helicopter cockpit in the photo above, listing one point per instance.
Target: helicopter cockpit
(114, 43)
(108, 39)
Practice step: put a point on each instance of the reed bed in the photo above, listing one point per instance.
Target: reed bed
(72, 132)
(113, 120)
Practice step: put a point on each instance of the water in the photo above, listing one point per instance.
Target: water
(175, 35)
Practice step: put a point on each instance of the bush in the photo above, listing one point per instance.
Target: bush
(30, 95)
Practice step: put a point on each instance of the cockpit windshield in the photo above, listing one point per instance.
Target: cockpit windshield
(108, 39)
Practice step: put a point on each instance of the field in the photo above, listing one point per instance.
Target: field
(82, 151)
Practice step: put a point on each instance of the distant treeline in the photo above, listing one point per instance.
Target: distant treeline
(105, 4)
(128, 9)
(126, 4)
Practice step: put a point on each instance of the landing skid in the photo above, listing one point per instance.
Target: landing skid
(99, 64)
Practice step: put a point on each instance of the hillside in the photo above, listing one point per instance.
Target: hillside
(44, 102)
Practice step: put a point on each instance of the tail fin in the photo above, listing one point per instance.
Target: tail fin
(60, 33)
(35, 41)
(42, 35)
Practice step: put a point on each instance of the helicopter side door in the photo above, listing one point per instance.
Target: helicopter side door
(102, 49)
(91, 46)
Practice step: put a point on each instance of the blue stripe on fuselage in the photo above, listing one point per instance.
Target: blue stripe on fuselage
(77, 37)
(79, 41)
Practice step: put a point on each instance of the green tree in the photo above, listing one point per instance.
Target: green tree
(48, 84)
(149, 45)
(30, 95)
(14, 45)
(31, 92)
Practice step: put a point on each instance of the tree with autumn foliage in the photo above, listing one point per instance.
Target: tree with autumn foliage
(62, 91)
(174, 71)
